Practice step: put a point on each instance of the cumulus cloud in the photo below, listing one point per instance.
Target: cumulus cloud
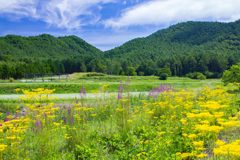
(69, 14)
(166, 12)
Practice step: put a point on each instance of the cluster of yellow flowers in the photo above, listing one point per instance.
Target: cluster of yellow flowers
(232, 149)
(208, 118)
(35, 116)
(14, 127)
(12, 131)
(202, 117)
(34, 95)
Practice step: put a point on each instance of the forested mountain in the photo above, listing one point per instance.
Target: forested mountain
(206, 47)
(44, 54)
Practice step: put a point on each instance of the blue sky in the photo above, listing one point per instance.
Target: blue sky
(108, 23)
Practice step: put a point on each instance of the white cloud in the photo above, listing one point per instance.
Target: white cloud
(19, 7)
(166, 12)
(70, 14)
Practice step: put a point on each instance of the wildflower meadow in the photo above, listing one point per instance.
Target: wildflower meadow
(166, 124)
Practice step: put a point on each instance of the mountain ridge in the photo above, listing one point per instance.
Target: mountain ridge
(206, 47)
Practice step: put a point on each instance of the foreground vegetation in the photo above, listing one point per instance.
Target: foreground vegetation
(167, 124)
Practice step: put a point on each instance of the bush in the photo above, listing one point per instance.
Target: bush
(232, 75)
(11, 79)
(196, 75)
(141, 73)
(131, 71)
(201, 76)
(163, 76)
(165, 70)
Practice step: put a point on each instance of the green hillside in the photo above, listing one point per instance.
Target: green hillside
(207, 47)
(44, 54)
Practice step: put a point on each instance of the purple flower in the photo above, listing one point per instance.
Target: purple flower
(45, 115)
(162, 88)
(119, 95)
(71, 120)
(65, 120)
(69, 111)
(7, 119)
(120, 90)
(38, 124)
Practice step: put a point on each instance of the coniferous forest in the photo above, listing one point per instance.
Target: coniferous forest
(185, 48)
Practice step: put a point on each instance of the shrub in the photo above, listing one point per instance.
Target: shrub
(232, 75)
(11, 79)
(212, 74)
(165, 70)
(163, 76)
(201, 76)
(131, 71)
(141, 73)
(196, 75)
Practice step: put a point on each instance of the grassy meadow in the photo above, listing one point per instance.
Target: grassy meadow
(94, 82)
(178, 118)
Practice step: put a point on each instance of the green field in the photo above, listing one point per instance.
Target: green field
(94, 83)
(97, 83)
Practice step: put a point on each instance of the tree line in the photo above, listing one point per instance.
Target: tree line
(212, 66)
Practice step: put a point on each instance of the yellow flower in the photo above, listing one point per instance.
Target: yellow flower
(220, 142)
(192, 136)
(2, 147)
(207, 128)
(212, 105)
(11, 137)
(231, 149)
(186, 155)
(201, 155)
(198, 143)
(231, 123)
(204, 115)
(56, 124)
(218, 114)
(178, 153)
(17, 90)
(183, 121)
